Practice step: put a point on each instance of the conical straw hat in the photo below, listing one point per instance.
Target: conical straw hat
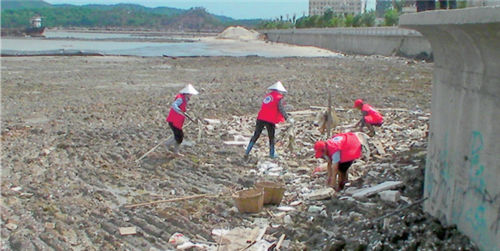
(278, 86)
(189, 89)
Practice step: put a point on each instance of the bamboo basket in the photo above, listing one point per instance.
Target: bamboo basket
(249, 200)
(273, 191)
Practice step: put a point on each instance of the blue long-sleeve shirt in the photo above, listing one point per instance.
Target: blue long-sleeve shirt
(176, 105)
(282, 110)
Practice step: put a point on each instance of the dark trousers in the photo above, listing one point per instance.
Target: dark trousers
(343, 176)
(178, 134)
(259, 126)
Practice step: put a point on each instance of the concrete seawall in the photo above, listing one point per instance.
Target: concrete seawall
(387, 41)
(463, 161)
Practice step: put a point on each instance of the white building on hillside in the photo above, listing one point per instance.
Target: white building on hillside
(318, 7)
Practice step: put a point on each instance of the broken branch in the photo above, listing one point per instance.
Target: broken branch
(197, 196)
(280, 241)
(154, 148)
(401, 209)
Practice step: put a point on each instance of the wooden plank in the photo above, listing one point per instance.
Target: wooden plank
(303, 112)
(378, 188)
(282, 238)
(379, 109)
(197, 196)
(236, 143)
(380, 148)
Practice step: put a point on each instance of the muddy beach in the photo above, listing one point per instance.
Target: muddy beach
(73, 128)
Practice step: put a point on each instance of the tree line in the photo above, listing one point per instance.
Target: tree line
(388, 10)
(121, 15)
(330, 19)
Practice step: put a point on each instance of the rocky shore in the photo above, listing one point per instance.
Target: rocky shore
(73, 129)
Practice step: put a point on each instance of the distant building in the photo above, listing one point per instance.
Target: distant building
(36, 21)
(318, 7)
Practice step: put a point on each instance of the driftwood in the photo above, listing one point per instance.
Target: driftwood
(152, 149)
(259, 237)
(162, 142)
(344, 109)
(324, 108)
(303, 113)
(401, 209)
(197, 196)
(280, 241)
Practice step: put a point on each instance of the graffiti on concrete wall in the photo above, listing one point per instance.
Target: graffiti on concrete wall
(437, 179)
(461, 187)
(477, 185)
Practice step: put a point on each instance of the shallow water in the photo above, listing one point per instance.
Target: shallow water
(107, 44)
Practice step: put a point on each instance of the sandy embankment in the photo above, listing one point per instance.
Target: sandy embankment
(240, 39)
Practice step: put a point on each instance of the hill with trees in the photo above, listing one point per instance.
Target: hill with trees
(16, 14)
(23, 4)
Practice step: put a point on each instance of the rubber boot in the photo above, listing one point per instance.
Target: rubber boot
(272, 154)
(249, 148)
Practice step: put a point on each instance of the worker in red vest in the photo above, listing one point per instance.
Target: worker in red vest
(340, 151)
(177, 115)
(271, 113)
(370, 117)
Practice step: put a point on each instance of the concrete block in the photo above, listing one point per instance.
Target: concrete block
(321, 194)
(392, 195)
(462, 170)
(385, 41)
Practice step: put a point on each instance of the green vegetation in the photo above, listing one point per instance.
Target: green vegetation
(391, 18)
(329, 19)
(389, 10)
(69, 16)
(17, 13)
(461, 4)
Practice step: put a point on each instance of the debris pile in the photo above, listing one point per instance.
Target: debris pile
(71, 140)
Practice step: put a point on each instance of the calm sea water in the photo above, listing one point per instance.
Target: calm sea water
(102, 43)
(110, 44)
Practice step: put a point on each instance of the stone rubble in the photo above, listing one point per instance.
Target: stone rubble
(73, 128)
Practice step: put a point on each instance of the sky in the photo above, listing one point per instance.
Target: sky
(237, 9)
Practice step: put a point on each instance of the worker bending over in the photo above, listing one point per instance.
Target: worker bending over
(370, 117)
(340, 151)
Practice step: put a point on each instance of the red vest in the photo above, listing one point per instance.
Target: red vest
(347, 143)
(372, 117)
(176, 118)
(269, 111)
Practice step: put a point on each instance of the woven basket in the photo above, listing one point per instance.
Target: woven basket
(273, 191)
(249, 200)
